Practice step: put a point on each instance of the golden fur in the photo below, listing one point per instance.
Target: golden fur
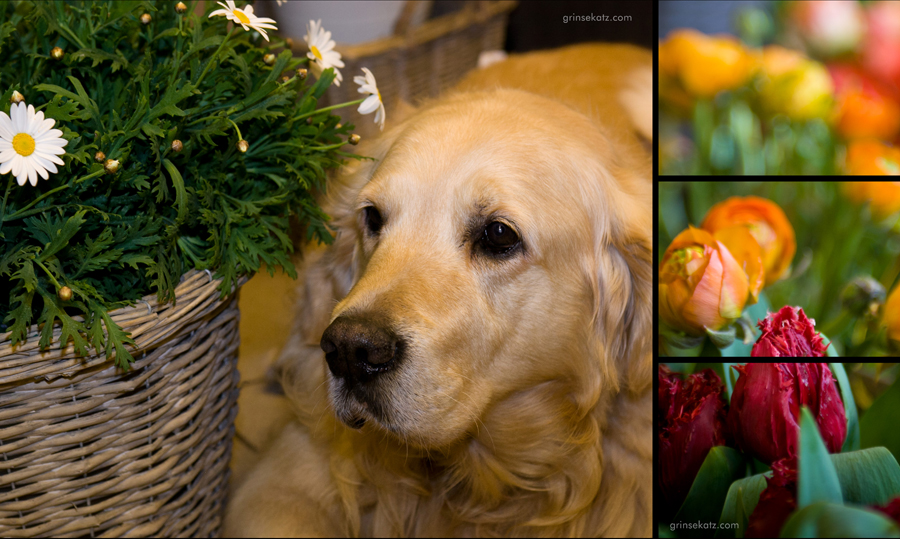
(524, 407)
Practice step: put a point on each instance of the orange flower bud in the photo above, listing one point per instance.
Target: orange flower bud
(871, 158)
(884, 197)
(766, 222)
(701, 285)
(794, 85)
(706, 65)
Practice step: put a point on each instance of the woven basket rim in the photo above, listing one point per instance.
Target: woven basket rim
(148, 321)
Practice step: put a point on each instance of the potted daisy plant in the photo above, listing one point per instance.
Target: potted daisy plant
(151, 159)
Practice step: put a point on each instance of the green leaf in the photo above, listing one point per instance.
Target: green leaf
(180, 193)
(878, 426)
(722, 466)
(53, 236)
(740, 501)
(823, 519)
(851, 443)
(817, 479)
(99, 55)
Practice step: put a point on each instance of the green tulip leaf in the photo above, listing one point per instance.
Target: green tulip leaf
(817, 479)
(831, 351)
(867, 477)
(722, 466)
(878, 426)
(823, 519)
(739, 504)
(851, 443)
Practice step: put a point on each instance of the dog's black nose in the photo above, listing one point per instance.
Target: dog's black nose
(357, 349)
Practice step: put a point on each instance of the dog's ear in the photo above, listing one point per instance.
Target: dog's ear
(624, 272)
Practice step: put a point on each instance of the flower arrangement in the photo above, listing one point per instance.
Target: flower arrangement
(786, 269)
(139, 141)
(821, 97)
(775, 450)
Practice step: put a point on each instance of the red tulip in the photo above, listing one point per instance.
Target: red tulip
(788, 333)
(691, 421)
(892, 509)
(765, 408)
(776, 502)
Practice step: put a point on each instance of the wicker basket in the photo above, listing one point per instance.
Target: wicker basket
(87, 450)
(418, 62)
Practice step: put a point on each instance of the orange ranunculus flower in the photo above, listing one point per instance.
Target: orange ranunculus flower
(891, 317)
(701, 285)
(864, 108)
(871, 158)
(795, 85)
(883, 197)
(706, 65)
(767, 224)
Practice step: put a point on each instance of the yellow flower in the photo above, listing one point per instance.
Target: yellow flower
(706, 65)
(794, 85)
(321, 51)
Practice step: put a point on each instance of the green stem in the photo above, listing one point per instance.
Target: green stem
(52, 278)
(326, 109)
(9, 185)
(331, 147)
(238, 129)
(20, 212)
(213, 57)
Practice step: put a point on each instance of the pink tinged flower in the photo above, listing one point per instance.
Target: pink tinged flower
(788, 333)
(777, 501)
(891, 509)
(765, 408)
(691, 421)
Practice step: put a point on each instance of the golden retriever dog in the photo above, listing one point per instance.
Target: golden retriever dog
(473, 354)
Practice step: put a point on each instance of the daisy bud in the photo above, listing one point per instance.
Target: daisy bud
(289, 42)
(177, 146)
(56, 53)
(285, 79)
(111, 166)
(309, 121)
(146, 18)
(338, 126)
(354, 139)
(301, 73)
(243, 146)
(65, 293)
(16, 97)
(180, 8)
(99, 157)
(269, 59)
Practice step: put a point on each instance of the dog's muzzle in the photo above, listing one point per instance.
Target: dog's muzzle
(358, 350)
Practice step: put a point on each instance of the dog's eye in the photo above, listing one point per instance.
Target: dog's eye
(499, 238)
(373, 219)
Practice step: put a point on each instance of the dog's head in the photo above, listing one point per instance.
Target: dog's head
(497, 243)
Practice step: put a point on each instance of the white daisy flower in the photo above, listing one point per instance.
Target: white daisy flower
(372, 103)
(321, 51)
(28, 145)
(245, 17)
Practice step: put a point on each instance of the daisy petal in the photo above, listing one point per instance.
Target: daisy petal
(43, 172)
(43, 163)
(21, 178)
(17, 164)
(32, 175)
(5, 166)
(49, 157)
(6, 127)
(369, 106)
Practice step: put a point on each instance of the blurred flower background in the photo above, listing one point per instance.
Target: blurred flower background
(844, 273)
(797, 87)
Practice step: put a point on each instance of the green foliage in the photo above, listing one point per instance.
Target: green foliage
(128, 90)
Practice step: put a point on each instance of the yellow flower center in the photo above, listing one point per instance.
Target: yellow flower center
(23, 144)
(316, 53)
(379, 94)
(241, 16)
